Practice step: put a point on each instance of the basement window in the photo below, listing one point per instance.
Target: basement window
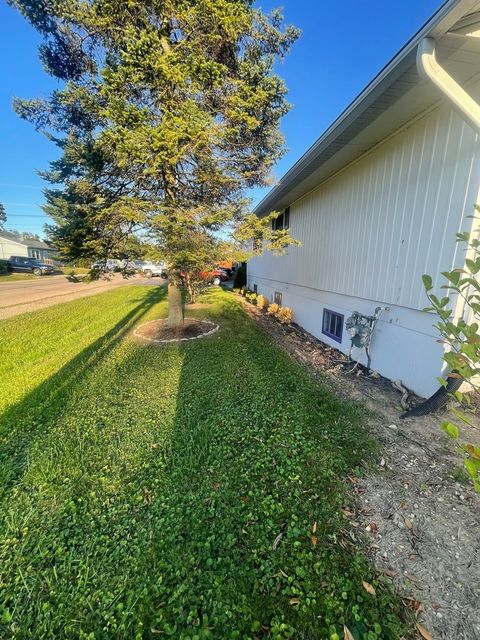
(278, 298)
(332, 325)
(255, 288)
(283, 221)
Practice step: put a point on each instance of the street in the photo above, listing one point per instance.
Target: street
(31, 295)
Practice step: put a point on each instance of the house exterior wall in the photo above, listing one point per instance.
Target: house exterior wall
(41, 254)
(370, 232)
(9, 248)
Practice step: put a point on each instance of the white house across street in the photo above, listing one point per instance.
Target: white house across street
(13, 245)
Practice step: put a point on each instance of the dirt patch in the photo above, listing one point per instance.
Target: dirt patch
(157, 331)
(419, 511)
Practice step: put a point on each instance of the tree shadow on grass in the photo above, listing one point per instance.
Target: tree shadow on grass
(258, 455)
(21, 423)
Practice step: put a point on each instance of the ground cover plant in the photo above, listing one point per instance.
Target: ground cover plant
(192, 490)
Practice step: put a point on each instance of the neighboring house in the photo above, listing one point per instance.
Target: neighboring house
(378, 199)
(12, 245)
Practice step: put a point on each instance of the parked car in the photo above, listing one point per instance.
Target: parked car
(215, 276)
(220, 274)
(22, 264)
(152, 269)
(134, 265)
(212, 276)
(107, 265)
(227, 271)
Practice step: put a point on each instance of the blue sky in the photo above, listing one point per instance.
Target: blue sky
(342, 46)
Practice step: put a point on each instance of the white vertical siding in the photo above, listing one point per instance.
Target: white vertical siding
(375, 228)
(9, 248)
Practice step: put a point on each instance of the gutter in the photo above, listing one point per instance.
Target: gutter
(429, 68)
(469, 110)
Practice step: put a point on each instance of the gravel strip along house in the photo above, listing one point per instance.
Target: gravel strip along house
(378, 199)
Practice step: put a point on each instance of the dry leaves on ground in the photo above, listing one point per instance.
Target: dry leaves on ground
(423, 632)
(369, 588)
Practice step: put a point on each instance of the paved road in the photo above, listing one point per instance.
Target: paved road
(31, 295)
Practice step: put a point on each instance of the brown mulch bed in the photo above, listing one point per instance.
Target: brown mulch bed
(158, 331)
(419, 510)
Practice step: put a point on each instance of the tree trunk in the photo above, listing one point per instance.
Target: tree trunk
(191, 289)
(175, 302)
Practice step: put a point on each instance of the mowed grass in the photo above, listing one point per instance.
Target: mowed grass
(186, 491)
(14, 277)
(19, 277)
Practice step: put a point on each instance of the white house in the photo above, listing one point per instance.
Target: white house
(378, 199)
(12, 245)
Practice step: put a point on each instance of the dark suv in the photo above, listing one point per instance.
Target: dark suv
(22, 264)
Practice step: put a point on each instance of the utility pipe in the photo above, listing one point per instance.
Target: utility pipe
(429, 68)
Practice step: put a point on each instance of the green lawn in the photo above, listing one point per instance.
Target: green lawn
(79, 271)
(143, 487)
(14, 277)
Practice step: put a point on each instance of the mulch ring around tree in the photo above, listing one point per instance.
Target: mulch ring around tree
(158, 332)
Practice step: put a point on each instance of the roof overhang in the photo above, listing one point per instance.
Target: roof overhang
(5, 239)
(393, 98)
(35, 244)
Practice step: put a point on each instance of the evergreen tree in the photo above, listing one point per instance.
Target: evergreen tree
(170, 109)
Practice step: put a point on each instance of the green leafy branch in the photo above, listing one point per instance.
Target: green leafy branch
(461, 338)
